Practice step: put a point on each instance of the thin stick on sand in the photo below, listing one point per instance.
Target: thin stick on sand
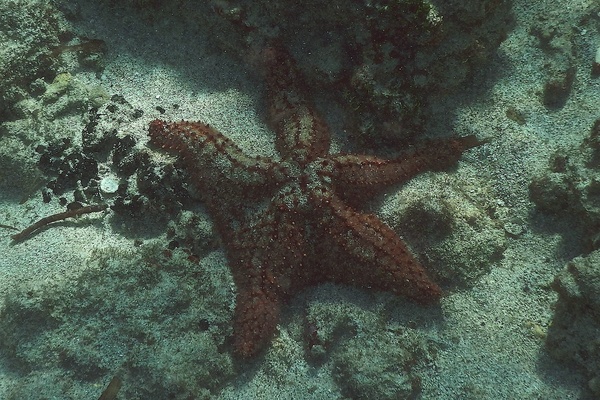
(57, 217)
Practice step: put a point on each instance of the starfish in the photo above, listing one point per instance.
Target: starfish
(286, 223)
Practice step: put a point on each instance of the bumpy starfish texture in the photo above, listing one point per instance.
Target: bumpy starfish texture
(286, 224)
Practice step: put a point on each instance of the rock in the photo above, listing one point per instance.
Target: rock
(573, 336)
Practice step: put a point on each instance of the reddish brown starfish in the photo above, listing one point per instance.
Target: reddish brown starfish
(305, 233)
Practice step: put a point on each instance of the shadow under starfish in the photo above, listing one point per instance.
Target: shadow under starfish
(307, 233)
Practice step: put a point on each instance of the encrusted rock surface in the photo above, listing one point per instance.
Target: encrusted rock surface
(573, 336)
(570, 188)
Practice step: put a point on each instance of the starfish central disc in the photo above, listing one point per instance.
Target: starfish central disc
(303, 183)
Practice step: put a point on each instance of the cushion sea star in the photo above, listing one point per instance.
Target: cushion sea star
(285, 223)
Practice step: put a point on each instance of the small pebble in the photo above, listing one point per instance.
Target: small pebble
(109, 184)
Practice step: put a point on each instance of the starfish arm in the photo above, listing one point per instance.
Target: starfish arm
(266, 259)
(301, 134)
(213, 158)
(378, 257)
(255, 321)
(359, 171)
